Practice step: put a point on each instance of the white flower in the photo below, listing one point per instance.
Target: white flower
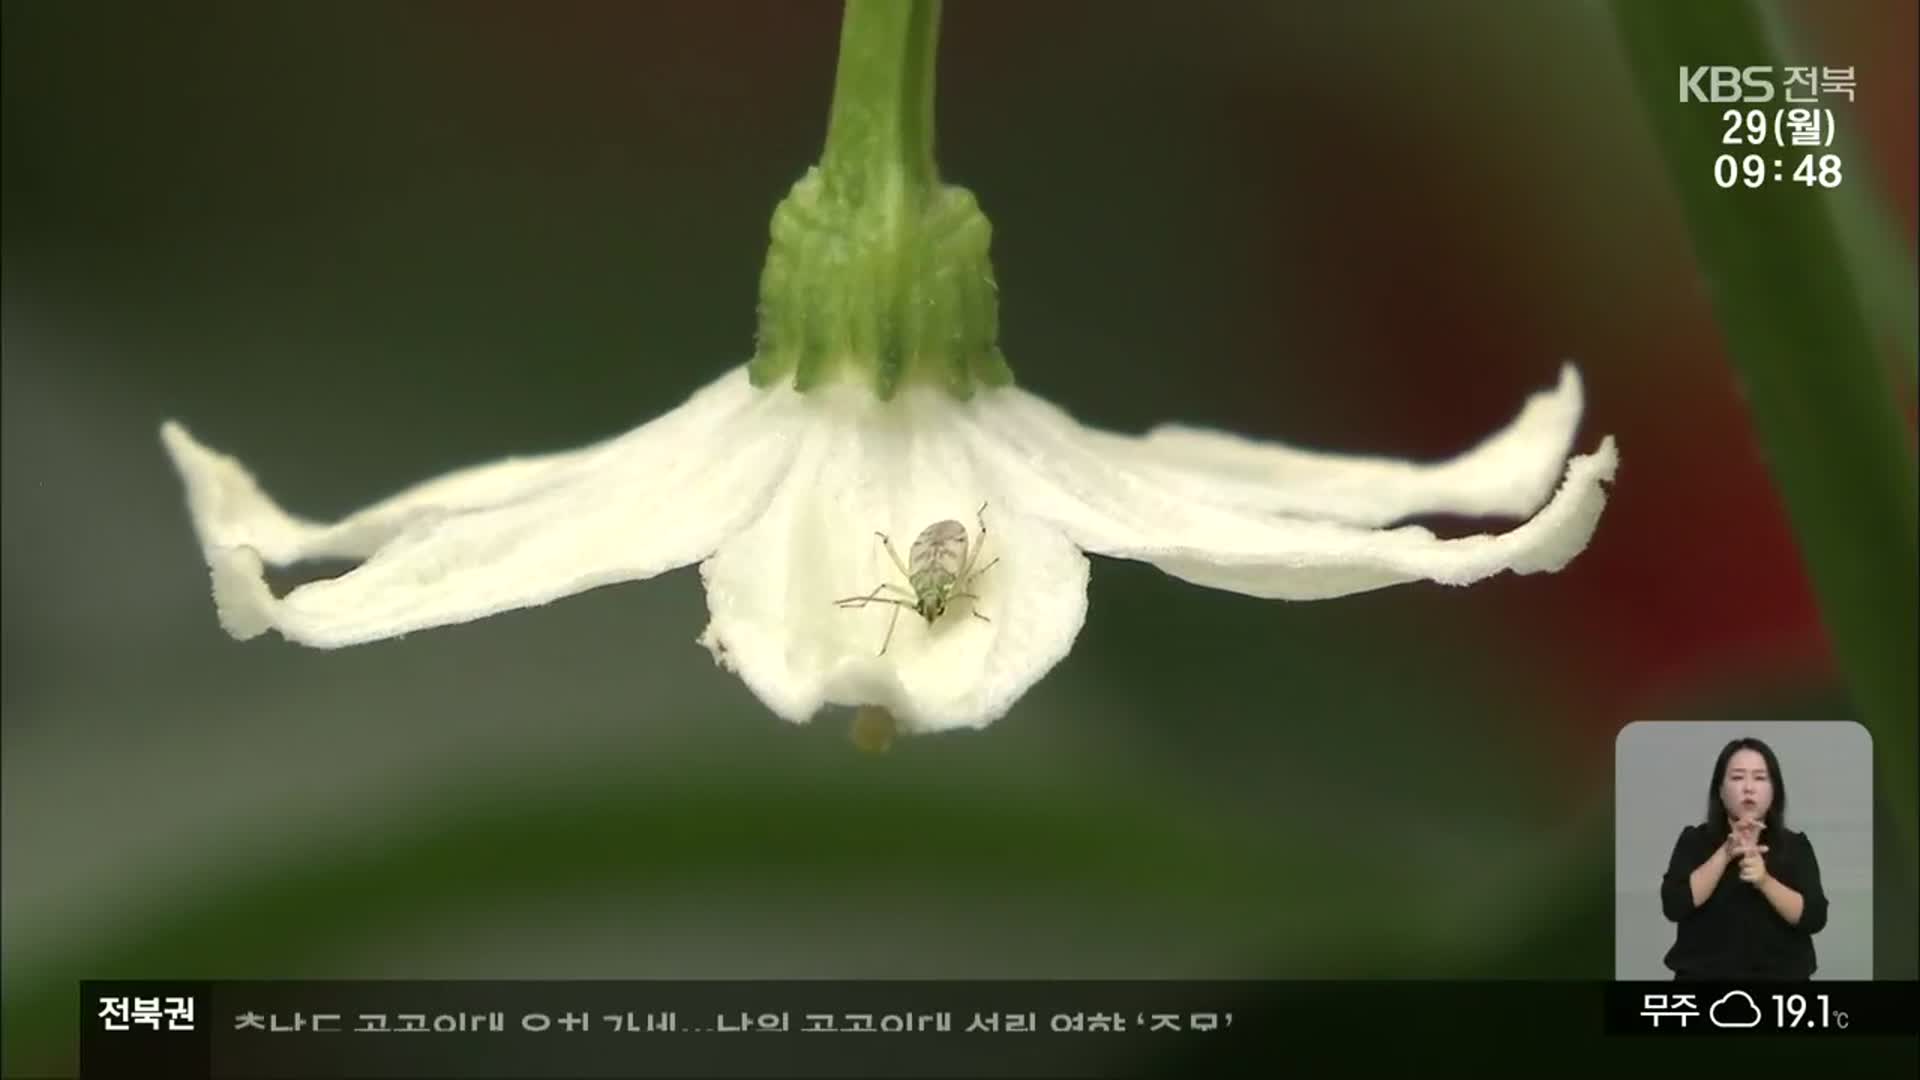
(777, 494)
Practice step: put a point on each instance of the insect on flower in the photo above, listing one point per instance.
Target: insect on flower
(939, 569)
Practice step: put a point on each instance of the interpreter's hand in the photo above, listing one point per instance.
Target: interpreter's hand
(1743, 835)
(1753, 868)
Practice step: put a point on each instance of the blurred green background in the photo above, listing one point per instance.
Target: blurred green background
(356, 245)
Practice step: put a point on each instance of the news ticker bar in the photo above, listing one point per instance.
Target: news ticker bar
(301, 1029)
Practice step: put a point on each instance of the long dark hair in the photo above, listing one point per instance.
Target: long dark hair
(1776, 817)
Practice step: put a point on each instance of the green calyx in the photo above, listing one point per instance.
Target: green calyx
(877, 270)
(893, 295)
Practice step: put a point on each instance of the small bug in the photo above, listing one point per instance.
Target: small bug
(939, 569)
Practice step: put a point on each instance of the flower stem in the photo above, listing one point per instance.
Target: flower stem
(877, 271)
(1824, 404)
(880, 128)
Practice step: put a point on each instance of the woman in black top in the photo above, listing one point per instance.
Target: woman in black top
(1744, 889)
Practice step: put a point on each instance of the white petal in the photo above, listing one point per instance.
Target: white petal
(496, 537)
(865, 467)
(1509, 474)
(230, 510)
(1049, 467)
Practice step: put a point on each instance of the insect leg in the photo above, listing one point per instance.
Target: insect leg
(984, 569)
(980, 517)
(894, 555)
(888, 640)
(873, 597)
(975, 605)
(859, 601)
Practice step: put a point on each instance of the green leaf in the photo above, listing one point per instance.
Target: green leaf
(1823, 403)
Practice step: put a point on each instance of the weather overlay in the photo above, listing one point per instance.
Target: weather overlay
(1801, 1008)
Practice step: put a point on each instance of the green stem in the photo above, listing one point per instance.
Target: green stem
(877, 271)
(1823, 402)
(880, 127)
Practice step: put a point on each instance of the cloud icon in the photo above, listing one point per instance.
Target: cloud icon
(1735, 1016)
